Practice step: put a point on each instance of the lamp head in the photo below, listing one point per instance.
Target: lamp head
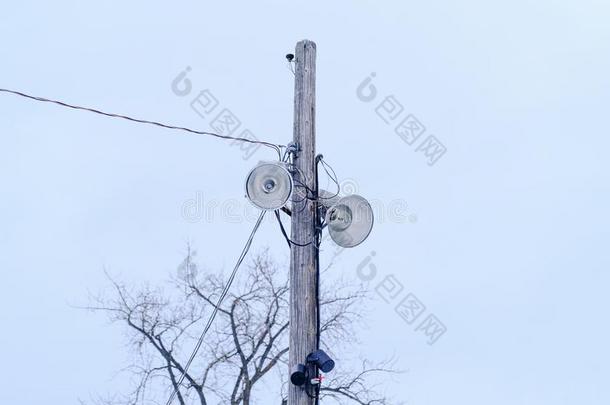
(350, 220)
(322, 360)
(269, 185)
(298, 376)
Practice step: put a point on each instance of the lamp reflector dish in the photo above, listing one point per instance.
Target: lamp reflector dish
(269, 185)
(350, 220)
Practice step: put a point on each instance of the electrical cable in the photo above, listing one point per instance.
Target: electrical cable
(217, 306)
(246, 248)
(330, 172)
(333, 177)
(274, 146)
(302, 175)
(318, 238)
(299, 184)
(290, 241)
(287, 158)
(277, 215)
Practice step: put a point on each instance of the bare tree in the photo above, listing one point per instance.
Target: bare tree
(247, 345)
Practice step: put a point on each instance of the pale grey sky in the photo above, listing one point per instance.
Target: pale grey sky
(508, 243)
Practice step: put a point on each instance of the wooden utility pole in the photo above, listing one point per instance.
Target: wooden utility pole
(304, 259)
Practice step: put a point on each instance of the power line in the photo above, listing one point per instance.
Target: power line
(274, 146)
(217, 306)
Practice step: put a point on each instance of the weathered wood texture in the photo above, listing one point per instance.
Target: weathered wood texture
(304, 259)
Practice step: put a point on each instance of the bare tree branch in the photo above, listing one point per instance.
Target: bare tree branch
(248, 340)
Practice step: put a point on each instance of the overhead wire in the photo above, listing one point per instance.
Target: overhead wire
(276, 147)
(217, 307)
